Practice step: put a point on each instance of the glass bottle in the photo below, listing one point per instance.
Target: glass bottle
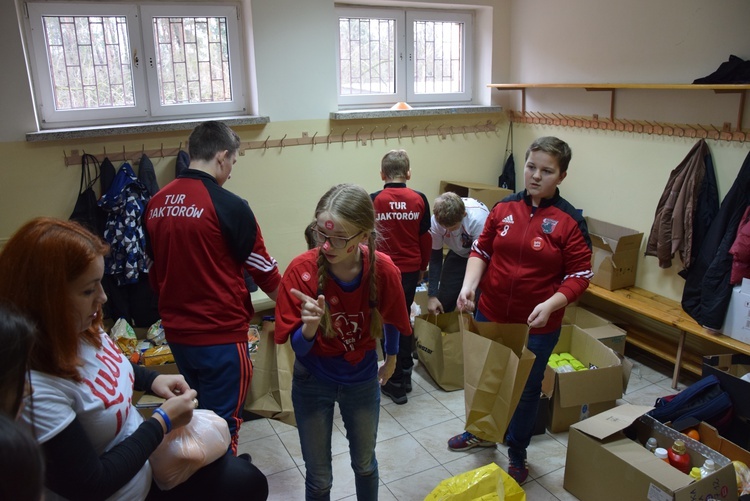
(708, 468)
(661, 453)
(651, 444)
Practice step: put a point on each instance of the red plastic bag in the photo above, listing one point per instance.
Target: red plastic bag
(188, 448)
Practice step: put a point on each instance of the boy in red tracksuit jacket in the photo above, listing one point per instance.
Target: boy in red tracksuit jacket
(201, 237)
(403, 218)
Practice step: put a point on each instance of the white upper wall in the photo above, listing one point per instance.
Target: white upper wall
(634, 41)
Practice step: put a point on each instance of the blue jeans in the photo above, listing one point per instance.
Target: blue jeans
(314, 400)
(521, 427)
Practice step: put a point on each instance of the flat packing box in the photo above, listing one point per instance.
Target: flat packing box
(606, 459)
(578, 395)
(737, 322)
(486, 193)
(615, 254)
(598, 326)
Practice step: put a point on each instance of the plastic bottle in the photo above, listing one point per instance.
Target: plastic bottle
(651, 444)
(678, 457)
(708, 468)
(695, 473)
(661, 453)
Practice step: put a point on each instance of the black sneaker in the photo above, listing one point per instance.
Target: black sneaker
(406, 381)
(395, 391)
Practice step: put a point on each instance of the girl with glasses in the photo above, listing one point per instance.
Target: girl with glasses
(335, 302)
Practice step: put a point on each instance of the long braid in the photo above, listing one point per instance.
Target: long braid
(325, 321)
(376, 320)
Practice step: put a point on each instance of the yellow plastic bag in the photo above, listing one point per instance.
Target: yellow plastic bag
(488, 483)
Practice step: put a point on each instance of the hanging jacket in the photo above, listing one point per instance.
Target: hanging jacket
(707, 288)
(147, 176)
(740, 250)
(124, 203)
(672, 230)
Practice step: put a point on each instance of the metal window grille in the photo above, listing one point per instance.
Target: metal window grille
(367, 56)
(438, 57)
(89, 58)
(192, 56)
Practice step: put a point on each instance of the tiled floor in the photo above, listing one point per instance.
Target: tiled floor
(412, 453)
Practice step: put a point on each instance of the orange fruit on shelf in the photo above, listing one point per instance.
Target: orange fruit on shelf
(693, 433)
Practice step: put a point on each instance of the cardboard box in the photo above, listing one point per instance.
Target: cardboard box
(578, 395)
(598, 326)
(729, 369)
(606, 459)
(615, 254)
(486, 193)
(710, 437)
(737, 321)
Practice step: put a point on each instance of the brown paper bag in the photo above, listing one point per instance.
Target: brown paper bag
(496, 367)
(270, 393)
(439, 348)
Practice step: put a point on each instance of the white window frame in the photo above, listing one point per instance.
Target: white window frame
(404, 70)
(147, 106)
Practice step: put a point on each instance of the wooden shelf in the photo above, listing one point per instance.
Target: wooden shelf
(612, 88)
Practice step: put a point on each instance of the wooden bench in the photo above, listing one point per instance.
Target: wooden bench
(667, 312)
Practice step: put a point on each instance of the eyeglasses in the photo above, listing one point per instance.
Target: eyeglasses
(336, 242)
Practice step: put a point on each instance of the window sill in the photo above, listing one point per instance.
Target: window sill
(414, 112)
(137, 128)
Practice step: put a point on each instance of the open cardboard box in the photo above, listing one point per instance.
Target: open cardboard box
(615, 254)
(578, 395)
(596, 324)
(729, 368)
(486, 193)
(606, 459)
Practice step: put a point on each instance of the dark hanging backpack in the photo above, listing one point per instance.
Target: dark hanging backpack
(86, 210)
(702, 401)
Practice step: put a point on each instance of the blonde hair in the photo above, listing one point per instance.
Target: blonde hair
(395, 164)
(449, 209)
(352, 204)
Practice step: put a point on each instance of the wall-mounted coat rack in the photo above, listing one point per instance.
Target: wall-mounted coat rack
(637, 126)
(360, 135)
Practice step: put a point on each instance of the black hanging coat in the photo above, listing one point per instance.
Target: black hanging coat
(707, 286)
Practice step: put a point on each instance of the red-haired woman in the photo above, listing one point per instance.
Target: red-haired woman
(96, 445)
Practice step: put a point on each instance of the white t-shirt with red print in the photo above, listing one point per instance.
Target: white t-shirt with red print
(103, 403)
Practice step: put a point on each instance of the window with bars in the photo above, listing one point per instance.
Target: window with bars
(109, 63)
(391, 55)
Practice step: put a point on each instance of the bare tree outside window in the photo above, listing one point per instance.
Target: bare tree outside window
(367, 54)
(89, 59)
(438, 57)
(192, 59)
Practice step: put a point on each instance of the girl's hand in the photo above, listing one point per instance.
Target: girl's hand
(465, 300)
(180, 408)
(539, 316)
(311, 311)
(169, 385)
(386, 370)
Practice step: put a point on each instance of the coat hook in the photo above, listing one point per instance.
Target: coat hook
(143, 149)
(161, 150)
(180, 146)
(105, 151)
(385, 133)
(399, 132)
(356, 137)
(265, 143)
(343, 140)
(281, 143)
(373, 130)
(427, 127)
(451, 129)
(124, 159)
(313, 138)
(412, 131)
(328, 139)
(66, 157)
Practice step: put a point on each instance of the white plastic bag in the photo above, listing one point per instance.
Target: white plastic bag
(188, 448)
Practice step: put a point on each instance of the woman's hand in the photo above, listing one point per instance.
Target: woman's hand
(180, 408)
(386, 370)
(169, 385)
(465, 300)
(434, 306)
(311, 311)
